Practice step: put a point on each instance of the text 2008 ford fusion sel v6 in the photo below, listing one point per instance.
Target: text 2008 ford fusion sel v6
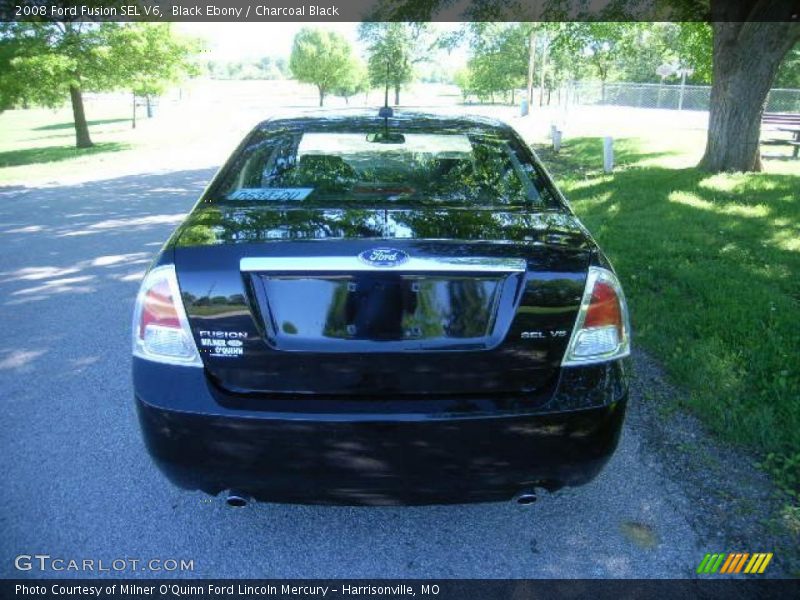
(377, 307)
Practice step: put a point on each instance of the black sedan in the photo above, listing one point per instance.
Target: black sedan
(368, 307)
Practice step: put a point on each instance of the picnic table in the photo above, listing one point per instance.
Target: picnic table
(795, 141)
(787, 122)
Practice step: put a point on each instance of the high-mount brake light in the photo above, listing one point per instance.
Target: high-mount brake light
(602, 329)
(160, 328)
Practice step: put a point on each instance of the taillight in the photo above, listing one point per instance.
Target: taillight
(160, 329)
(602, 329)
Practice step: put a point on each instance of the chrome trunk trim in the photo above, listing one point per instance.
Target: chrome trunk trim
(346, 264)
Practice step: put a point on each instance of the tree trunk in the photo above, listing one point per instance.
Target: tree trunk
(531, 63)
(745, 60)
(133, 120)
(82, 139)
(149, 106)
(321, 96)
(396, 94)
(542, 70)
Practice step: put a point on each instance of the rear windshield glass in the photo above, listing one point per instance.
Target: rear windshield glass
(384, 164)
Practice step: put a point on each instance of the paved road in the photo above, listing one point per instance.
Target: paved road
(78, 483)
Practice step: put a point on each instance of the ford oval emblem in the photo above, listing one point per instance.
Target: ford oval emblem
(383, 257)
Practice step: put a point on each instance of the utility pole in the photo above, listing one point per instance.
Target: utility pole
(683, 72)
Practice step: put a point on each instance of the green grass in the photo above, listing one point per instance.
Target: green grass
(39, 145)
(71, 126)
(711, 268)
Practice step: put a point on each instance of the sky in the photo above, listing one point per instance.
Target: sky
(238, 41)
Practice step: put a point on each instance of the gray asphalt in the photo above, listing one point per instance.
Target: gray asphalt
(78, 483)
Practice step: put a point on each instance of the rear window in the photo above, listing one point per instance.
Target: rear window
(384, 165)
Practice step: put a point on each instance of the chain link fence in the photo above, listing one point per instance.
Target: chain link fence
(666, 96)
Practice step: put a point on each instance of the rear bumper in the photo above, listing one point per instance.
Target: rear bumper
(372, 457)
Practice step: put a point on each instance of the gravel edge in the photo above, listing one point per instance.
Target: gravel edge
(732, 504)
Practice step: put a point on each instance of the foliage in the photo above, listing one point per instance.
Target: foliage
(563, 63)
(499, 60)
(46, 62)
(569, 51)
(601, 44)
(785, 468)
(393, 49)
(266, 67)
(789, 72)
(463, 79)
(321, 57)
(355, 80)
(149, 57)
(43, 60)
(694, 46)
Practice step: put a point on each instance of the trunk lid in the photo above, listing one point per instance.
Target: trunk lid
(381, 301)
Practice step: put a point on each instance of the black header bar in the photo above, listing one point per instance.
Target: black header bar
(396, 10)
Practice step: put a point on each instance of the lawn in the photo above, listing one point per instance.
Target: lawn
(711, 268)
(39, 144)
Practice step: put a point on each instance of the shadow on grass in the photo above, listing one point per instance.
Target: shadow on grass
(708, 263)
(70, 124)
(779, 157)
(584, 155)
(47, 154)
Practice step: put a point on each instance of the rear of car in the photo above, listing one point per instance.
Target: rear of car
(381, 310)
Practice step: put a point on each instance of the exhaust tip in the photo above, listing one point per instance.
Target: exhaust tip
(236, 499)
(526, 498)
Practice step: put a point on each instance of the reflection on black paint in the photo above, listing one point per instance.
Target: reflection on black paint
(227, 224)
(214, 238)
(493, 168)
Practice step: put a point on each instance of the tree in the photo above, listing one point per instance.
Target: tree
(750, 40)
(12, 88)
(499, 58)
(503, 56)
(563, 63)
(320, 57)
(48, 61)
(151, 57)
(393, 49)
(463, 80)
(53, 60)
(602, 44)
(355, 81)
(747, 51)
